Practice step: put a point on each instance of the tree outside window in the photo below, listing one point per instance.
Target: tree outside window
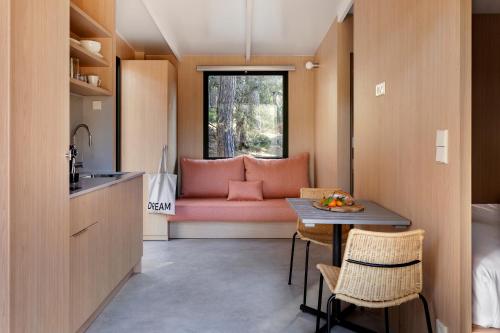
(245, 113)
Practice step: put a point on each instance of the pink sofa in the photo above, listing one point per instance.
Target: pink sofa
(205, 189)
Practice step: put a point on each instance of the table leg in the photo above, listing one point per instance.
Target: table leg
(337, 260)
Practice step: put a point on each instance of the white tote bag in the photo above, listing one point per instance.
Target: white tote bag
(162, 189)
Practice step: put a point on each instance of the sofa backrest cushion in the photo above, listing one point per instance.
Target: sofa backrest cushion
(281, 178)
(245, 191)
(210, 178)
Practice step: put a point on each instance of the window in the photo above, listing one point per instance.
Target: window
(245, 113)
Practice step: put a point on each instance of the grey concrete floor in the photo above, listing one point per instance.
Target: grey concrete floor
(218, 286)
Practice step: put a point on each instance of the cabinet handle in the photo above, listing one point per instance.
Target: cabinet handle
(84, 230)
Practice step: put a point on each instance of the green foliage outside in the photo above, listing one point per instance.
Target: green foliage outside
(245, 115)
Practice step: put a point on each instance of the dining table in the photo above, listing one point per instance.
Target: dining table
(373, 214)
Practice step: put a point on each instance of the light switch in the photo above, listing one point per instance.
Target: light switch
(97, 105)
(442, 138)
(442, 146)
(442, 155)
(380, 89)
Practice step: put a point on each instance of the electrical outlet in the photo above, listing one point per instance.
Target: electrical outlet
(440, 327)
(380, 89)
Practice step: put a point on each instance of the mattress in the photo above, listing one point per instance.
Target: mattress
(486, 265)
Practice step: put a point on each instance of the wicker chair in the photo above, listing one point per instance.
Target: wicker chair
(379, 270)
(319, 234)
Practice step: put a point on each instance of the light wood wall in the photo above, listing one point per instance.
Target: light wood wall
(170, 57)
(300, 102)
(332, 107)
(4, 164)
(485, 108)
(421, 49)
(39, 200)
(123, 50)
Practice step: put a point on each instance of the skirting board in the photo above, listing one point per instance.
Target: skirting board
(231, 229)
(155, 237)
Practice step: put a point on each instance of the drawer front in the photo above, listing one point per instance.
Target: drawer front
(87, 209)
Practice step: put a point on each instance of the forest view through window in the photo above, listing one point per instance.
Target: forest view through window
(245, 113)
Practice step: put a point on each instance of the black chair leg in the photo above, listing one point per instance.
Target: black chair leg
(329, 306)
(386, 315)
(291, 258)
(304, 300)
(427, 314)
(320, 296)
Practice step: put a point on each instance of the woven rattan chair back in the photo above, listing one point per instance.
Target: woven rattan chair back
(320, 233)
(381, 267)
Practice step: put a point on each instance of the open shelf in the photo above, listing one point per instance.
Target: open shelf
(85, 26)
(82, 88)
(87, 58)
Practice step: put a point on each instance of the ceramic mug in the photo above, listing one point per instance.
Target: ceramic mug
(94, 80)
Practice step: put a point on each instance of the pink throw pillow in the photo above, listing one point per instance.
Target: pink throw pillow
(210, 178)
(245, 191)
(281, 178)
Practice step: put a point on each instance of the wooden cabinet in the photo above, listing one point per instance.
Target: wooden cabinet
(148, 122)
(86, 248)
(105, 245)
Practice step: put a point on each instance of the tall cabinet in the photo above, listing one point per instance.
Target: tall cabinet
(148, 122)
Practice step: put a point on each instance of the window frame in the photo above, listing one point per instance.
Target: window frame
(206, 74)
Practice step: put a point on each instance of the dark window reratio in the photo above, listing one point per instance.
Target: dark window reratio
(245, 113)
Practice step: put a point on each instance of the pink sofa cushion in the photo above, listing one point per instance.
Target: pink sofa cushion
(245, 191)
(219, 209)
(281, 178)
(210, 178)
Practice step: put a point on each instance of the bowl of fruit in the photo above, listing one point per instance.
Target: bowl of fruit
(338, 201)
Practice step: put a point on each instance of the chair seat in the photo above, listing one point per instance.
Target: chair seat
(319, 234)
(330, 275)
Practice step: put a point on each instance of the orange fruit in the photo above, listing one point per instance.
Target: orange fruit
(339, 203)
(333, 203)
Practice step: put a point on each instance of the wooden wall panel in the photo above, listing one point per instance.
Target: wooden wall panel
(123, 50)
(4, 163)
(332, 107)
(170, 57)
(485, 108)
(39, 206)
(419, 49)
(300, 105)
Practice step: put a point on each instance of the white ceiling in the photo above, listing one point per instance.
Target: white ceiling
(486, 6)
(136, 26)
(189, 27)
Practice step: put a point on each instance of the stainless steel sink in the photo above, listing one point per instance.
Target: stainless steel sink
(102, 175)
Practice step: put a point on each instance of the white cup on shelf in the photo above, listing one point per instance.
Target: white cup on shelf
(94, 80)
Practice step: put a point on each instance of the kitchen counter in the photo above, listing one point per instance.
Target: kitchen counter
(89, 184)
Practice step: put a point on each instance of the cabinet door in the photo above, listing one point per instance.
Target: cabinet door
(134, 220)
(85, 272)
(146, 99)
(118, 232)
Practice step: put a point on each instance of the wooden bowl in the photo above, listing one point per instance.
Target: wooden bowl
(343, 209)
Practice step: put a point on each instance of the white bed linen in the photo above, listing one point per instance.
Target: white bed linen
(486, 265)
